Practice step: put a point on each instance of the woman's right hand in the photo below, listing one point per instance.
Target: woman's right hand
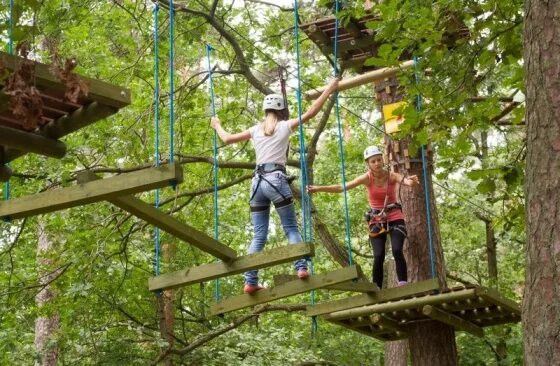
(214, 122)
(333, 85)
(312, 189)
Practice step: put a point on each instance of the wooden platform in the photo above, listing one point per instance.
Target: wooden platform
(466, 309)
(60, 117)
(356, 43)
(285, 290)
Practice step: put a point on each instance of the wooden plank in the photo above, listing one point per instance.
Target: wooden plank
(362, 79)
(390, 294)
(31, 142)
(351, 286)
(494, 297)
(99, 91)
(374, 333)
(80, 194)
(285, 290)
(241, 264)
(453, 320)
(403, 304)
(170, 225)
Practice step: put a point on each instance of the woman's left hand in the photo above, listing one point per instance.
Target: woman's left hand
(214, 122)
(413, 180)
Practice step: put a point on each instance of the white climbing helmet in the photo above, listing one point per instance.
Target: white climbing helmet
(371, 151)
(273, 101)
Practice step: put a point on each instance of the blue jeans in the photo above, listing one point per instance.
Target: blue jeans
(273, 187)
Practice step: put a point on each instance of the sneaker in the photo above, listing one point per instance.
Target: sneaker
(402, 283)
(250, 289)
(302, 274)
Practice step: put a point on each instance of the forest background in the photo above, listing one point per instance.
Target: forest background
(99, 258)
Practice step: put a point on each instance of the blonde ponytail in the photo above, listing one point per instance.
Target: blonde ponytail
(270, 121)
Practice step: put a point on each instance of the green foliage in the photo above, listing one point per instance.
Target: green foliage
(107, 315)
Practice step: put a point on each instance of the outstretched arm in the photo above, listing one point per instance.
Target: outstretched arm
(337, 188)
(227, 137)
(316, 106)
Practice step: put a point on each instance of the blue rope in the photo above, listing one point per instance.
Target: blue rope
(156, 122)
(171, 81)
(215, 162)
(341, 143)
(7, 187)
(305, 199)
(425, 180)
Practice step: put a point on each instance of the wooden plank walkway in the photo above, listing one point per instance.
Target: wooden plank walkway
(288, 289)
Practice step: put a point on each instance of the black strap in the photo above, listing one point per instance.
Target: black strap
(261, 178)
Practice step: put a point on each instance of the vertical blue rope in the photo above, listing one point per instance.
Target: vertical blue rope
(215, 162)
(425, 180)
(340, 143)
(305, 202)
(305, 199)
(156, 123)
(7, 187)
(171, 81)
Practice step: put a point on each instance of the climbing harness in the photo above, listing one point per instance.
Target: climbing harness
(261, 171)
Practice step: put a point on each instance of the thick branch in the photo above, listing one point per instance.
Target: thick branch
(239, 55)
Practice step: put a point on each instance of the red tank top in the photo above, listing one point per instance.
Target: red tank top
(376, 197)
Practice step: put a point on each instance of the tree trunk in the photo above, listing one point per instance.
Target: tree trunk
(396, 352)
(431, 343)
(45, 327)
(166, 308)
(541, 301)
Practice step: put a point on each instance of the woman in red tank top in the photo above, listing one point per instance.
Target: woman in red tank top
(384, 215)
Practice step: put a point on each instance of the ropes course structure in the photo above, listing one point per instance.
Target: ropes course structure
(382, 314)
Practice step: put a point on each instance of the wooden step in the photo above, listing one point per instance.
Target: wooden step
(238, 265)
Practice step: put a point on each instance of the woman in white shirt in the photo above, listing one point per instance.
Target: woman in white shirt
(270, 182)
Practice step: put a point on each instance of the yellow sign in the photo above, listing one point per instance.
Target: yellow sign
(393, 119)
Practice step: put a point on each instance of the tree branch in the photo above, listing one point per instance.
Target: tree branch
(203, 339)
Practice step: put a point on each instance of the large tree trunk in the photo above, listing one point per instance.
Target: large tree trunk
(430, 343)
(396, 352)
(541, 301)
(45, 327)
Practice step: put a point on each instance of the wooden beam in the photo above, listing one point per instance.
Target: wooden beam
(351, 286)
(80, 194)
(169, 224)
(390, 294)
(98, 90)
(362, 79)
(452, 320)
(242, 264)
(285, 290)
(31, 142)
(494, 297)
(384, 322)
(404, 304)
